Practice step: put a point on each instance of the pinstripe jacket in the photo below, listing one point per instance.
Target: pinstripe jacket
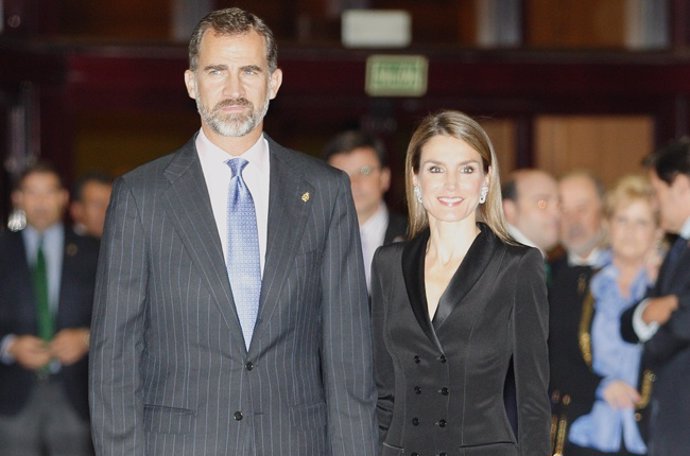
(170, 374)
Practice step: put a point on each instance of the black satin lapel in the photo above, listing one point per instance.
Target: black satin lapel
(413, 273)
(470, 270)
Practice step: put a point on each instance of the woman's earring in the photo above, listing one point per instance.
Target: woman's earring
(482, 194)
(418, 194)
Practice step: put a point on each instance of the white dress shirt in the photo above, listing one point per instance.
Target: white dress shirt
(218, 174)
(373, 233)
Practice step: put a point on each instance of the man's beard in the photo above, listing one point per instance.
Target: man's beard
(234, 125)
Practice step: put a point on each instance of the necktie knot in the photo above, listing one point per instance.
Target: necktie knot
(237, 165)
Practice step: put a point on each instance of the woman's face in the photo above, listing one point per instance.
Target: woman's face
(633, 230)
(450, 178)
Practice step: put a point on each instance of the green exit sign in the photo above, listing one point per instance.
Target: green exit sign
(396, 75)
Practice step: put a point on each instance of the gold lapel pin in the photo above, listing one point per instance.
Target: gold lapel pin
(305, 196)
(72, 249)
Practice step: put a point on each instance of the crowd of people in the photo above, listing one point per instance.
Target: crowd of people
(242, 298)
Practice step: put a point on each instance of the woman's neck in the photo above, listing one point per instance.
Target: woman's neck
(449, 242)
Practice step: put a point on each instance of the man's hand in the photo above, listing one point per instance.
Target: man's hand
(620, 395)
(70, 345)
(659, 310)
(30, 352)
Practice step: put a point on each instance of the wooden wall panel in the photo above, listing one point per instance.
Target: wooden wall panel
(503, 136)
(574, 23)
(610, 146)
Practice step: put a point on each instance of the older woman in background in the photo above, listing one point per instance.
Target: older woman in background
(612, 425)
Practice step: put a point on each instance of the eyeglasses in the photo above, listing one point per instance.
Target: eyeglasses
(363, 171)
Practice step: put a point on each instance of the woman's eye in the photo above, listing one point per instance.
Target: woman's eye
(467, 169)
(435, 169)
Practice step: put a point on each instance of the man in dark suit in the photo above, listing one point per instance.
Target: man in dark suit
(231, 311)
(363, 157)
(662, 321)
(47, 276)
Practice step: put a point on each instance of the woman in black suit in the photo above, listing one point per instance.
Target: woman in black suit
(456, 306)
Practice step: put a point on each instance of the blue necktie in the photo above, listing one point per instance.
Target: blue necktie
(244, 270)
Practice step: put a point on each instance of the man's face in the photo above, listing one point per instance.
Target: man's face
(535, 213)
(231, 84)
(42, 199)
(368, 179)
(674, 201)
(581, 215)
(90, 210)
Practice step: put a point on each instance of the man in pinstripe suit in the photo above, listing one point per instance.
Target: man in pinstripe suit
(171, 372)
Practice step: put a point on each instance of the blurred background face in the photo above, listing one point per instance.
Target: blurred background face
(535, 213)
(42, 198)
(633, 230)
(369, 181)
(581, 215)
(90, 210)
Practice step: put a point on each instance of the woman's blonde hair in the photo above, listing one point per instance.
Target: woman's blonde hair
(460, 126)
(629, 189)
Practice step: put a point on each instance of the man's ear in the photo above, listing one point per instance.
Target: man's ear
(190, 83)
(274, 83)
(510, 210)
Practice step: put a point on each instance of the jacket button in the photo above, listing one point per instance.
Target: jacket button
(415, 421)
(238, 416)
(416, 359)
(442, 453)
(414, 453)
(444, 391)
(417, 390)
(249, 365)
(441, 423)
(442, 358)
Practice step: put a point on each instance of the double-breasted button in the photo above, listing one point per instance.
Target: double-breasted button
(238, 416)
(249, 365)
(415, 421)
(442, 358)
(441, 423)
(442, 453)
(444, 391)
(417, 390)
(416, 359)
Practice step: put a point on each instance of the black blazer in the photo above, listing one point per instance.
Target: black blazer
(441, 382)
(396, 229)
(18, 314)
(667, 353)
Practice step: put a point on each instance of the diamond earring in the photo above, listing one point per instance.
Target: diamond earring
(482, 194)
(418, 194)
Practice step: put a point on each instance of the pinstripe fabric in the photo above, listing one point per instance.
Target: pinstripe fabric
(169, 369)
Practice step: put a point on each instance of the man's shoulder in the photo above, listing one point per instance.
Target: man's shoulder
(150, 172)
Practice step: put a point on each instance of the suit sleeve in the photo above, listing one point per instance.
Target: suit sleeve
(530, 357)
(117, 330)
(346, 352)
(383, 364)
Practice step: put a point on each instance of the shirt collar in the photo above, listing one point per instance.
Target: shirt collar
(378, 218)
(685, 229)
(596, 258)
(257, 154)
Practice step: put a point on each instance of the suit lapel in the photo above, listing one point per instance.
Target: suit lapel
(413, 272)
(470, 270)
(190, 211)
(288, 206)
(669, 272)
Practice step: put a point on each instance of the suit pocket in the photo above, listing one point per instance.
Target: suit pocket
(308, 417)
(167, 420)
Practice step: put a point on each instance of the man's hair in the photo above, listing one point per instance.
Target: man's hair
(671, 160)
(99, 177)
(347, 141)
(40, 167)
(228, 22)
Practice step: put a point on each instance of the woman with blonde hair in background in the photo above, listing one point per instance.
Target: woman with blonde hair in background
(612, 427)
(456, 306)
